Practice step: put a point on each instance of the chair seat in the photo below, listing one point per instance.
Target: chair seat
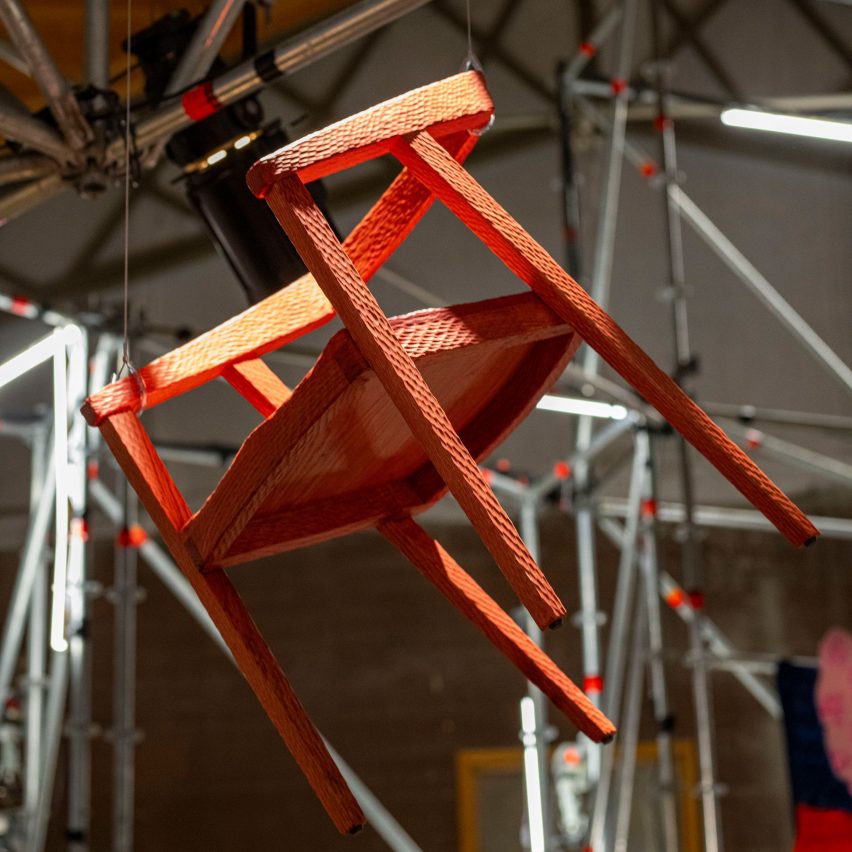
(338, 456)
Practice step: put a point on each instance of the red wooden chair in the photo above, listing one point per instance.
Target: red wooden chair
(395, 411)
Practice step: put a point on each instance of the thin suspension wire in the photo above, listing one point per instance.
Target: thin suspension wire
(470, 61)
(125, 357)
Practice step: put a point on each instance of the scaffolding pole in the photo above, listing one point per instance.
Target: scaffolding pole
(538, 732)
(617, 648)
(734, 259)
(648, 563)
(36, 680)
(54, 87)
(123, 733)
(590, 617)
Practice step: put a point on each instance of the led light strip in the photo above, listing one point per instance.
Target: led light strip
(588, 407)
(795, 125)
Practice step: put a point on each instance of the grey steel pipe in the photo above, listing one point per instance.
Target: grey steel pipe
(16, 615)
(53, 85)
(17, 201)
(649, 570)
(753, 414)
(529, 533)
(36, 640)
(196, 60)
(708, 788)
(19, 126)
(726, 518)
(382, 821)
(618, 646)
(721, 647)
(301, 50)
(605, 236)
(25, 167)
(206, 42)
(739, 264)
(10, 56)
(793, 454)
(52, 738)
(719, 643)
(96, 57)
(760, 286)
(79, 645)
(593, 42)
(124, 682)
(604, 247)
(630, 731)
(599, 442)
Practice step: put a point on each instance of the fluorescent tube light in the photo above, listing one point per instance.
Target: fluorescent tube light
(587, 407)
(23, 362)
(796, 125)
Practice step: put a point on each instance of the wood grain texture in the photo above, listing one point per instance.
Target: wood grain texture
(324, 256)
(459, 103)
(530, 262)
(339, 456)
(282, 317)
(149, 478)
(258, 384)
(464, 593)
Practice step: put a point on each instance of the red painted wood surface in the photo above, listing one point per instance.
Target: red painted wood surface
(459, 103)
(466, 595)
(340, 457)
(282, 317)
(133, 450)
(324, 256)
(394, 411)
(530, 262)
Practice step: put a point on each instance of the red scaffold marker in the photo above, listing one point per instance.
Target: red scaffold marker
(79, 529)
(562, 470)
(593, 684)
(696, 600)
(503, 465)
(572, 757)
(92, 470)
(133, 537)
(588, 49)
(617, 85)
(675, 598)
(649, 508)
(200, 101)
(661, 122)
(19, 306)
(753, 438)
(648, 169)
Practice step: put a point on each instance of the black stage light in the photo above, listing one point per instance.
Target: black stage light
(215, 155)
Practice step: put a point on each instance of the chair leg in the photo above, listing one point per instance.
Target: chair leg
(309, 231)
(144, 470)
(463, 592)
(531, 263)
(269, 683)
